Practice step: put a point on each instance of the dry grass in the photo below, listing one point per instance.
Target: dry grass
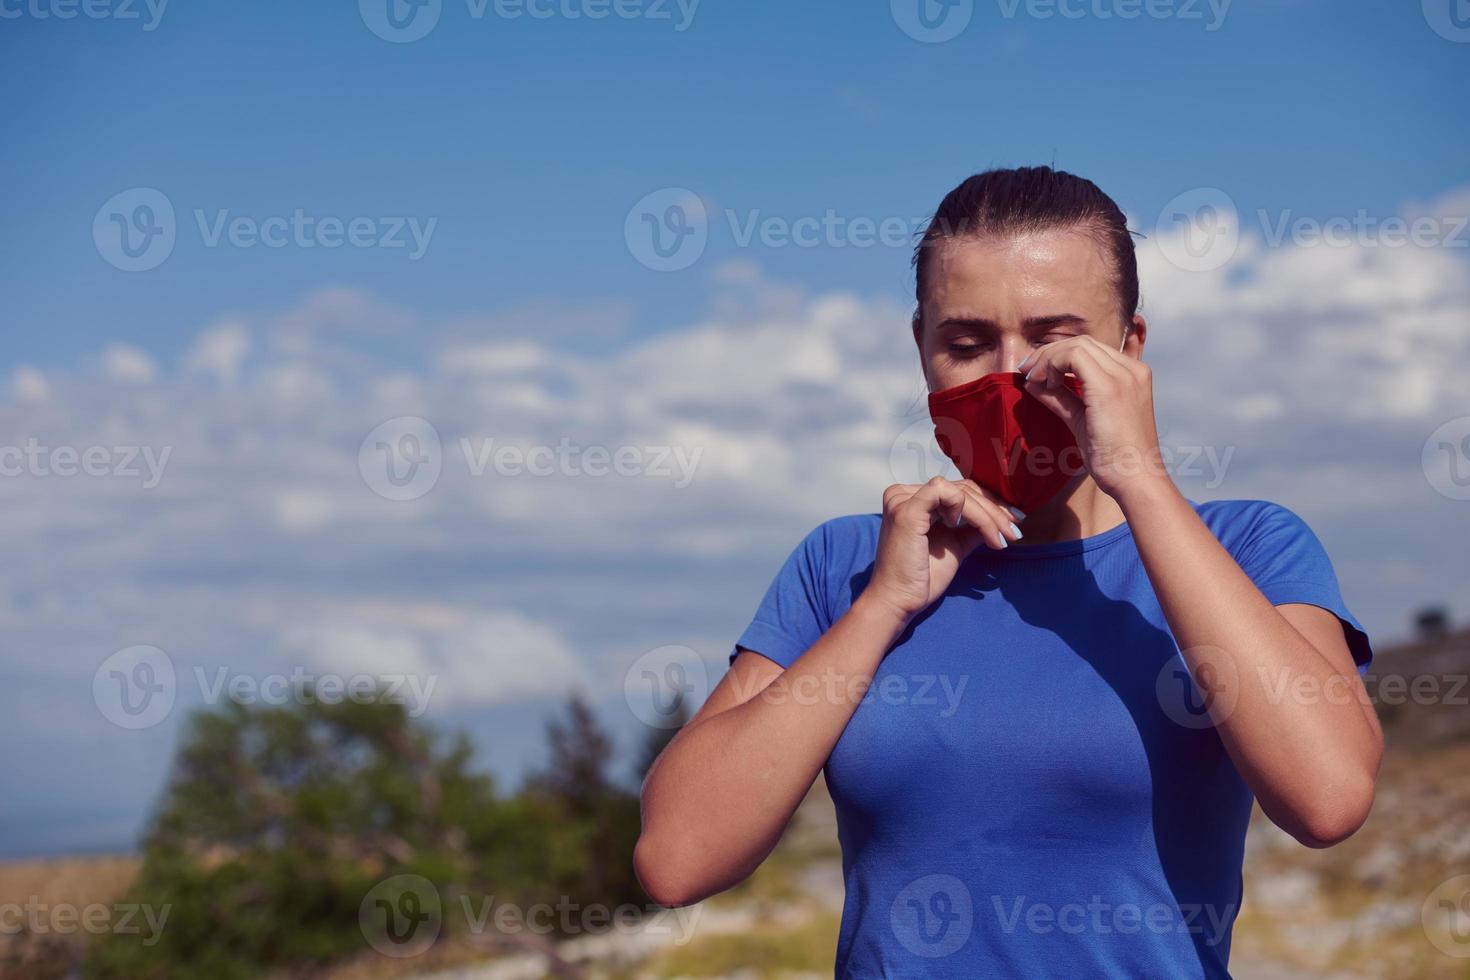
(52, 892)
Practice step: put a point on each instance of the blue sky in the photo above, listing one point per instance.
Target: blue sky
(530, 139)
(518, 147)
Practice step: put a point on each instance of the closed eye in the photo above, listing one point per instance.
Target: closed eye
(968, 350)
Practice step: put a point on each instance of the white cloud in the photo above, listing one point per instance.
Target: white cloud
(128, 365)
(471, 657)
(1326, 369)
(29, 385)
(219, 351)
(492, 358)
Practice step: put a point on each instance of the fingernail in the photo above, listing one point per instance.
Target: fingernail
(1003, 542)
(1015, 530)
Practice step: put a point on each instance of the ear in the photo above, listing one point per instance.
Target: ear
(917, 325)
(1137, 336)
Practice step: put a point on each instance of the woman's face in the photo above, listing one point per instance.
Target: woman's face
(992, 300)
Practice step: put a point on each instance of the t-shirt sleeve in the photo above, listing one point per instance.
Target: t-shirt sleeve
(794, 613)
(1286, 561)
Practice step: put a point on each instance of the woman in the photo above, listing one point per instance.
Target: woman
(1113, 677)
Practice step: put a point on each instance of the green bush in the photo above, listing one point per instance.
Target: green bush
(278, 821)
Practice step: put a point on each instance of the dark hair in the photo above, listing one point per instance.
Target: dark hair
(1030, 199)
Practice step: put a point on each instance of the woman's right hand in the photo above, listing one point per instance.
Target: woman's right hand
(927, 530)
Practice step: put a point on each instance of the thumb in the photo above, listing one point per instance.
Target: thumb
(1060, 400)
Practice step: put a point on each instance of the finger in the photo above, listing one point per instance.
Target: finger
(1111, 356)
(994, 527)
(997, 513)
(897, 494)
(1084, 360)
(939, 500)
(1006, 510)
(1082, 356)
(973, 518)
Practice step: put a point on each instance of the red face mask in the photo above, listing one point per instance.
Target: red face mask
(1006, 440)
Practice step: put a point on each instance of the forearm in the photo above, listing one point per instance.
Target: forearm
(716, 801)
(1309, 760)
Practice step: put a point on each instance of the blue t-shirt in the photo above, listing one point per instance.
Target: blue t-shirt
(1031, 786)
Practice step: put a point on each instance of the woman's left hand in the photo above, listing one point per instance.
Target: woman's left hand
(1113, 421)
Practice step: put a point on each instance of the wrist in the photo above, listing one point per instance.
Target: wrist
(1145, 491)
(880, 613)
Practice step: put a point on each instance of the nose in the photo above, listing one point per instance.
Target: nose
(1012, 352)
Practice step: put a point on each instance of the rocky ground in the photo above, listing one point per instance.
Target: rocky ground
(1380, 905)
(1369, 908)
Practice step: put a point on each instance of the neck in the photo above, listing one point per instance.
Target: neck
(1081, 510)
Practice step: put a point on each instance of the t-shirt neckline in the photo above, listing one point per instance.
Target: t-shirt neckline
(1053, 549)
(1075, 546)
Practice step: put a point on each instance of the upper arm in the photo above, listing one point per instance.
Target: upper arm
(795, 610)
(1324, 630)
(1289, 565)
(749, 675)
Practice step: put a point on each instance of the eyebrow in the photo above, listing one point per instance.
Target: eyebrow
(1030, 324)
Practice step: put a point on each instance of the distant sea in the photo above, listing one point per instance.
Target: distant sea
(38, 834)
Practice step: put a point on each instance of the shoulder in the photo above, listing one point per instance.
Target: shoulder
(1269, 540)
(845, 540)
(1238, 521)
